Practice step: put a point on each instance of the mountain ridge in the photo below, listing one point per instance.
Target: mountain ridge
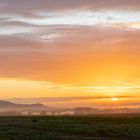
(14, 106)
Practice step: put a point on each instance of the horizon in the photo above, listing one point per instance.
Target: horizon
(13, 108)
(76, 102)
(74, 53)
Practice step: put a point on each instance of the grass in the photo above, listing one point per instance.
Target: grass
(70, 128)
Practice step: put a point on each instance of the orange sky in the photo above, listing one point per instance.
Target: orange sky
(72, 49)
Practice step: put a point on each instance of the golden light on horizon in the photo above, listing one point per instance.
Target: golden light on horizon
(115, 99)
(73, 52)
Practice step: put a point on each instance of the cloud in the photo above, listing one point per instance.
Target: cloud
(69, 52)
(87, 18)
(73, 4)
(55, 40)
(65, 99)
(66, 12)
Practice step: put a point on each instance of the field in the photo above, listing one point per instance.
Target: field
(70, 128)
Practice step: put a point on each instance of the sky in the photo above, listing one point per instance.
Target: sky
(72, 52)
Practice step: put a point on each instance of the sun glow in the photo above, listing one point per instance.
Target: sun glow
(114, 99)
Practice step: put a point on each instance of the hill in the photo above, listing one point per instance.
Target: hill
(6, 105)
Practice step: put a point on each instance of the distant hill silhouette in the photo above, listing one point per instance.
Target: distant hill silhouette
(6, 105)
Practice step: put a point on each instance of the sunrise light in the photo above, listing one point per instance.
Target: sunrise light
(70, 49)
(114, 99)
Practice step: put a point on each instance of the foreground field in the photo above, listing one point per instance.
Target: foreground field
(70, 128)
